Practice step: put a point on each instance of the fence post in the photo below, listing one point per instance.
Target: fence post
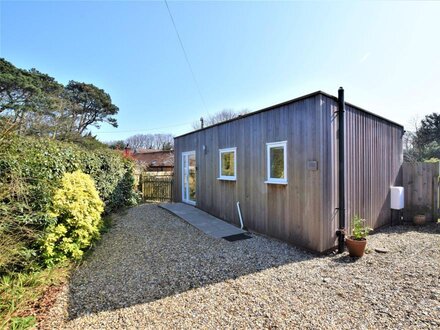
(435, 198)
(172, 189)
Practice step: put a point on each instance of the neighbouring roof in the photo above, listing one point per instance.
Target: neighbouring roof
(154, 158)
(148, 151)
(289, 102)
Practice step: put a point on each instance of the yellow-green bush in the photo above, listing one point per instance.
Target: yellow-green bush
(31, 169)
(76, 208)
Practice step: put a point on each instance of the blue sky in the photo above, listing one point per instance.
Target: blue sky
(243, 54)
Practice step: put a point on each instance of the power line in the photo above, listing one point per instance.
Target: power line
(186, 56)
(143, 130)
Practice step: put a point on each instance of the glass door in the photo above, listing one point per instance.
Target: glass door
(189, 177)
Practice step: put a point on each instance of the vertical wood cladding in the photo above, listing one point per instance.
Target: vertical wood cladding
(302, 212)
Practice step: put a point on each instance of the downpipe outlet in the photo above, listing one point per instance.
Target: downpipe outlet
(241, 218)
(340, 233)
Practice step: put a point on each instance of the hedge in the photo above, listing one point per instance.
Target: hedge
(30, 173)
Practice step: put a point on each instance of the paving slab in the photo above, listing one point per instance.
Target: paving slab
(203, 221)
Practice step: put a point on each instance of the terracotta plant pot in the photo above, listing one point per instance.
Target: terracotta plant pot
(419, 219)
(355, 248)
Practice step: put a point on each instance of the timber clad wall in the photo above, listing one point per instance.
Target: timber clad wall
(302, 212)
(374, 158)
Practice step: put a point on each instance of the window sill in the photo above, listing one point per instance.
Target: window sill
(227, 179)
(276, 182)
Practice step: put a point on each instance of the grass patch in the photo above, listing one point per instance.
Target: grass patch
(19, 294)
(22, 292)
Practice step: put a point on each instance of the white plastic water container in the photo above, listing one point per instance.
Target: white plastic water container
(397, 198)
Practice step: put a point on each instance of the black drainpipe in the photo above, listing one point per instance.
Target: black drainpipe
(341, 142)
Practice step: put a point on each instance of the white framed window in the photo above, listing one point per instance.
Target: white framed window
(228, 164)
(276, 154)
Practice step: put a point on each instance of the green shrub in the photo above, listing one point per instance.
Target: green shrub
(360, 230)
(37, 164)
(30, 173)
(77, 209)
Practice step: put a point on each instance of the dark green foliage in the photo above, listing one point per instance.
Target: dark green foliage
(30, 172)
(119, 197)
(117, 145)
(25, 90)
(33, 103)
(424, 143)
(29, 99)
(429, 130)
(89, 142)
(167, 146)
(90, 105)
(427, 139)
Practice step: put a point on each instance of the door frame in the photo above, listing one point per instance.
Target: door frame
(187, 154)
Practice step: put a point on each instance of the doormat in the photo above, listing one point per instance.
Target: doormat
(237, 237)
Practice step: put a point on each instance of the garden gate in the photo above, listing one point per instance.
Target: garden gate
(421, 183)
(156, 188)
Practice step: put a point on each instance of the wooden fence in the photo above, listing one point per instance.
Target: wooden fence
(156, 188)
(421, 183)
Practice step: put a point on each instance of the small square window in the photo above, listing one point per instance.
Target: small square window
(227, 164)
(276, 162)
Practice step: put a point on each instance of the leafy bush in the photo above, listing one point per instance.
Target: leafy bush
(77, 209)
(30, 173)
(36, 164)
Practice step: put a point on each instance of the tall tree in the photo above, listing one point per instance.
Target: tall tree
(34, 103)
(89, 105)
(429, 130)
(423, 143)
(27, 97)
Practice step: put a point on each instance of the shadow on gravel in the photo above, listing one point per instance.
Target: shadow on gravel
(428, 228)
(344, 259)
(150, 254)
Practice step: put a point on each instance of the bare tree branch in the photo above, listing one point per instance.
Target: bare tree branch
(221, 116)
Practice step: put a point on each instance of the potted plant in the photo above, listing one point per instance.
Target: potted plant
(358, 240)
(420, 215)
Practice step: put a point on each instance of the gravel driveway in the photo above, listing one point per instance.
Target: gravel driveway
(154, 271)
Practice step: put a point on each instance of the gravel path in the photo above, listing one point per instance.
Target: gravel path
(154, 271)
